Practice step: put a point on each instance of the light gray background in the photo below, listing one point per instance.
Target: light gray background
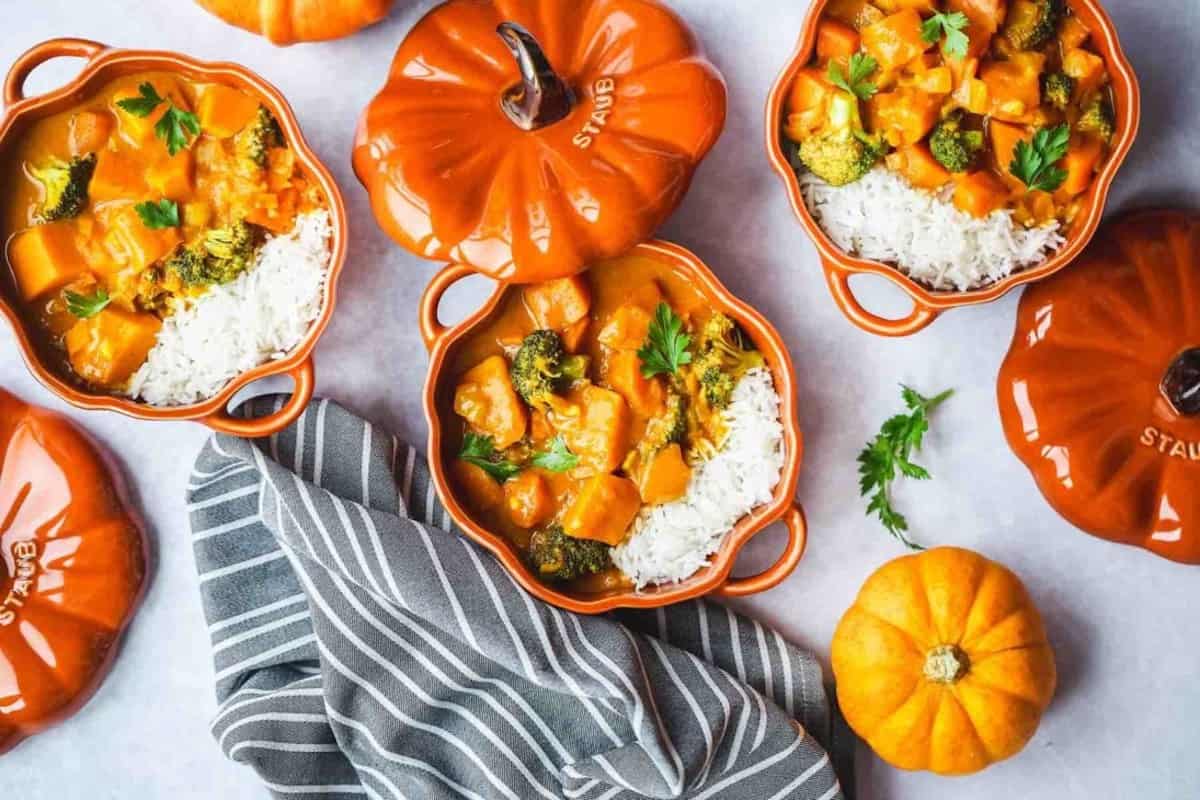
(1125, 626)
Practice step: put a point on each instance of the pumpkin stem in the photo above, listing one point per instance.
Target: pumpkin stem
(542, 97)
(946, 663)
(1181, 385)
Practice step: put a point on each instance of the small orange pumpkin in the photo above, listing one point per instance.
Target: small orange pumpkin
(942, 663)
(1100, 394)
(290, 21)
(530, 138)
(72, 566)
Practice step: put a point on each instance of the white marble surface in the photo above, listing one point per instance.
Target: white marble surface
(1124, 624)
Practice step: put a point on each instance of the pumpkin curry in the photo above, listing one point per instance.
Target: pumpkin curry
(1003, 101)
(135, 200)
(583, 401)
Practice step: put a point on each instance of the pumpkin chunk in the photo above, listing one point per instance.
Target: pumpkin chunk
(172, 177)
(108, 348)
(483, 491)
(980, 193)
(1082, 158)
(554, 305)
(89, 132)
(44, 259)
(486, 399)
(623, 373)
(599, 433)
(603, 510)
(835, 40)
(132, 245)
(904, 116)
(117, 176)
(666, 477)
(627, 328)
(530, 501)
(223, 110)
(895, 40)
(919, 167)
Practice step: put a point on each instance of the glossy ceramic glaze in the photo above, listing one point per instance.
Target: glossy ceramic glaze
(442, 343)
(1098, 392)
(928, 304)
(290, 21)
(453, 177)
(103, 65)
(72, 569)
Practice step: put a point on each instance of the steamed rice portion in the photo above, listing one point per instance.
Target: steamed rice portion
(232, 328)
(670, 542)
(883, 218)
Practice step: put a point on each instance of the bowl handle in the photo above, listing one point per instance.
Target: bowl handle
(34, 57)
(304, 377)
(797, 527)
(839, 284)
(431, 329)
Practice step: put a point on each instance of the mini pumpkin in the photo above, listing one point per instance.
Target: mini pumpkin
(290, 21)
(72, 566)
(1100, 393)
(942, 663)
(531, 138)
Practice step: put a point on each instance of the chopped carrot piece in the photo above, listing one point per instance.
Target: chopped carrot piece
(895, 40)
(623, 373)
(835, 40)
(106, 349)
(223, 110)
(89, 132)
(603, 509)
(554, 305)
(980, 193)
(45, 258)
(530, 501)
(486, 399)
(666, 477)
(919, 167)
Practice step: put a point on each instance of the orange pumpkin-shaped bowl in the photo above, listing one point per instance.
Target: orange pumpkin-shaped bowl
(103, 65)
(72, 569)
(1100, 393)
(444, 343)
(839, 266)
(290, 21)
(530, 138)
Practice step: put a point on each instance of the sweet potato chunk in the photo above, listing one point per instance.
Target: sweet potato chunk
(44, 259)
(108, 348)
(89, 132)
(530, 501)
(895, 40)
(554, 305)
(666, 477)
(223, 110)
(483, 492)
(599, 434)
(603, 510)
(623, 374)
(486, 399)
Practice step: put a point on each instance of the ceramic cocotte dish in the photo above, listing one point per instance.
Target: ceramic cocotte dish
(445, 343)
(103, 65)
(839, 266)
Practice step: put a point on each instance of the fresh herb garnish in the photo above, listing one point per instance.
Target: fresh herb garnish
(1035, 163)
(176, 127)
(861, 67)
(84, 306)
(558, 458)
(891, 453)
(163, 214)
(481, 451)
(952, 26)
(666, 347)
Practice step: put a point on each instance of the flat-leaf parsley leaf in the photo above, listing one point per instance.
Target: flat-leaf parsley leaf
(666, 347)
(163, 214)
(481, 451)
(1035, 163)
(558, 458)
(861, 67)
(84, 306)
(952, 25)
(176, 127)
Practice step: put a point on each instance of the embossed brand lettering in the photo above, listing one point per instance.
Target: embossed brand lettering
(602, 106)
(1169, 445)
(24, 570)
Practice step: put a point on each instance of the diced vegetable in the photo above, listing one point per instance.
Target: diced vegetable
(484, 491)
(603, 509)
(223, 110)
(666, 477)
(858, 14)
(172, 176)
(485, 398)
(1073, 34)
(530, 502)
(140, 129)
(627, 328)
(117, 176)
(835, 40)
(1004, 137)
(554, 305)
(132, 244)
(904, 116)
(895, 40)
(1087, 69)
(106, 349)
(275, 211)
(572, 335)
(599, 433)
(919, 167)
(988, 14)
(1082, 159)
(980, 193)
(1014, 87)
(44, 259)
(89, 132)
(810, 91)
(623, 373)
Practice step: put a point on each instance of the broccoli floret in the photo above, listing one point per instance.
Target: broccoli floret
(65, 186)
(717, 385)
(723, 345)
(256, 139)
(1032, 23)
(1057, 89)
(842, 153)
(1098, 119)
(542, 368)
(220, 256)
(954, 148)
(669, 427)
(188, 263)
(555, 556)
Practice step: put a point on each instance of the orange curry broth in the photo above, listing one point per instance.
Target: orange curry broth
(998, 86)
(632, 280)
(107, 246)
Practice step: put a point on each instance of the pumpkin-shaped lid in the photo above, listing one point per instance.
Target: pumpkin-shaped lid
(1100, 394)
(531, 138)
(291, 21)
(72, 565)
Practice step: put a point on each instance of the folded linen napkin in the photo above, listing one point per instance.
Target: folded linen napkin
(362, 650)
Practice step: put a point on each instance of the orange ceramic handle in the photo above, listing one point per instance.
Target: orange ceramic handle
(302, 394)
(839, 284)
(797, 528)
(431, 329)
(34, 57)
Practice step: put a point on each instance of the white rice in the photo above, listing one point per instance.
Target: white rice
(883, 218)
(258, 317)
(669, 542)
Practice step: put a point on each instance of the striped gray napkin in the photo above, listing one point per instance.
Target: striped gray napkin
(362, 650)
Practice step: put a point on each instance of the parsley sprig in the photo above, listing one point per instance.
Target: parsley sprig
(558, 458)
(481, 451)
(163, 214)
(951, 26)
(1035, 163)
(890, 454)
(860, 68)
(84, 306)
(176, 127)
(666, 347)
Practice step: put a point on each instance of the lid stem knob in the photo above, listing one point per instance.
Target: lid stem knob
(542, 97)
(1181, 385)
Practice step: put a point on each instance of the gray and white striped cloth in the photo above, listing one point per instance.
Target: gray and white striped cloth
(362, 650)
